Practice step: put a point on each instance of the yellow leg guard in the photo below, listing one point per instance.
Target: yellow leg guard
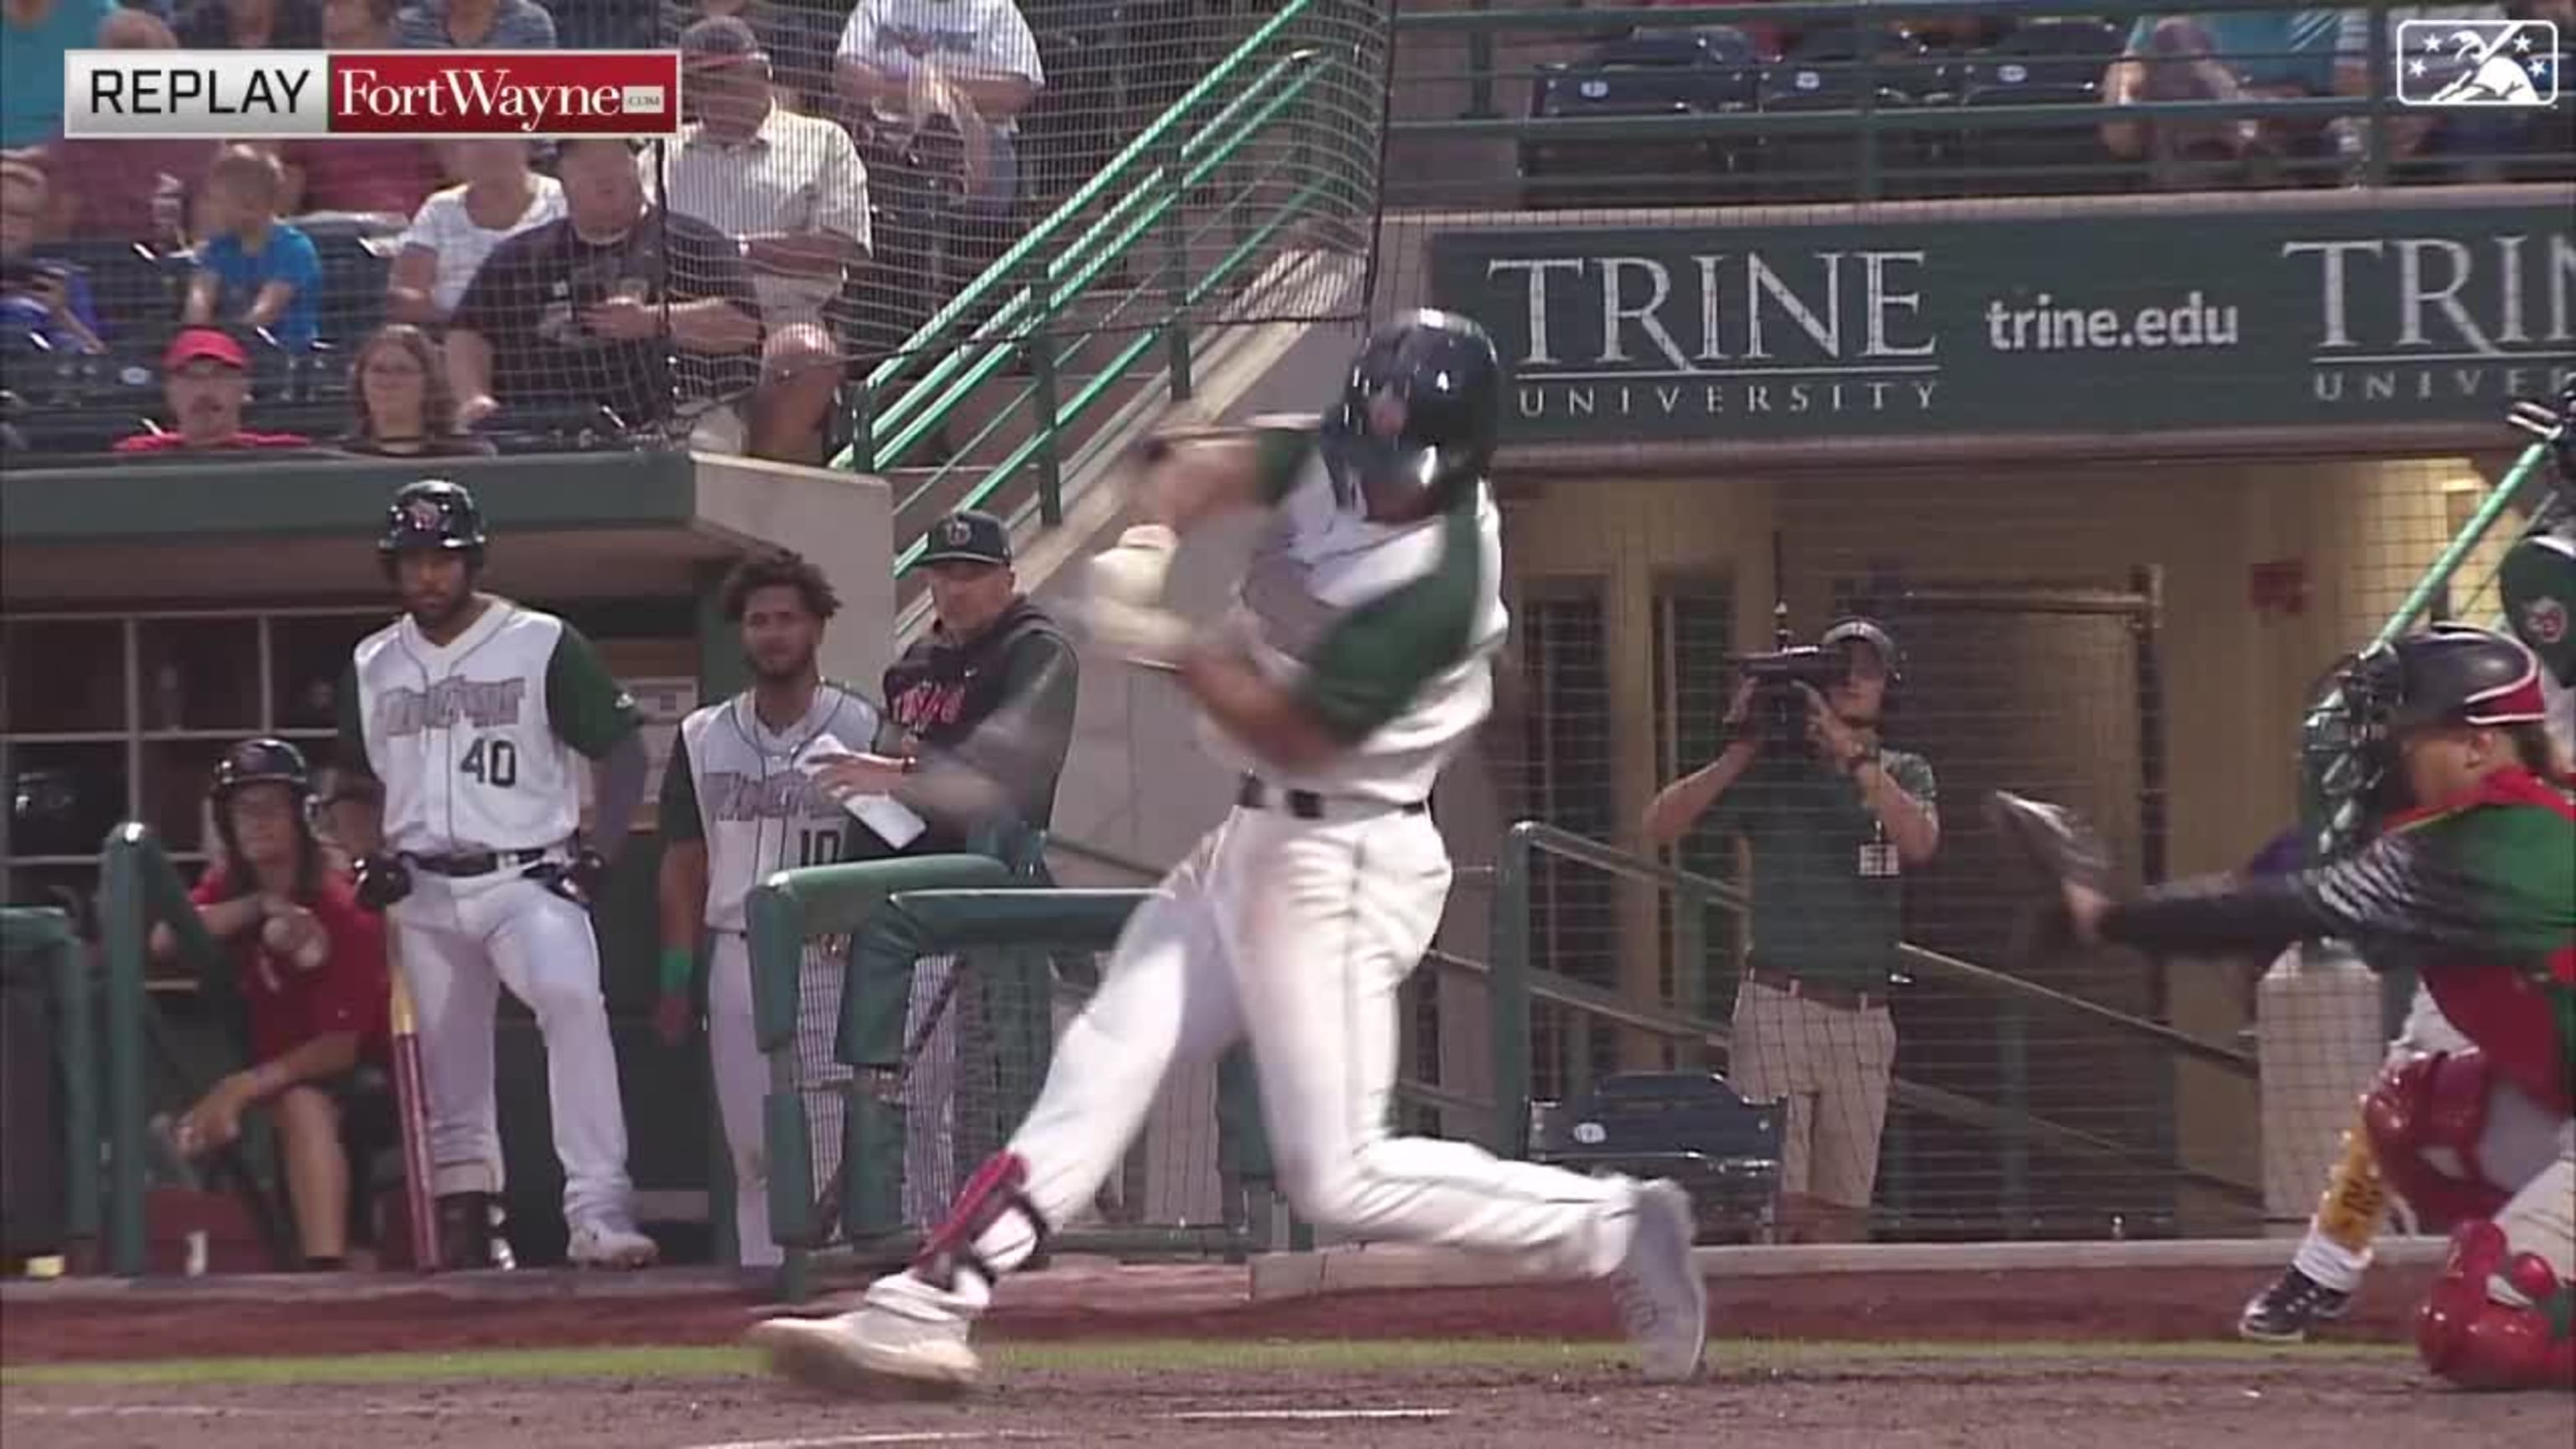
(2356, 1200)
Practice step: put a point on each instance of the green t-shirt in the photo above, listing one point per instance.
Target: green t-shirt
(1828, 898)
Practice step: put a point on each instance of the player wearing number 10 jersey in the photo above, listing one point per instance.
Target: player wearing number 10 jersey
(473, 712)
(736, 809)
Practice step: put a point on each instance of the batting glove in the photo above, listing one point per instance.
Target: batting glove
(1132, 571)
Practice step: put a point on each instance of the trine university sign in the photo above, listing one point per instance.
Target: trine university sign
(2108, 324)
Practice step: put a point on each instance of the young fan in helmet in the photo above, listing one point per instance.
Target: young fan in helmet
(2471, 883)
(309, 965)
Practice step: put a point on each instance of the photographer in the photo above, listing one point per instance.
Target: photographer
(1832, 820)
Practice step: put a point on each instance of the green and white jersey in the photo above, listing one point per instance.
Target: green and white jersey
(733, 783)
(479, 741)
(1385, 633)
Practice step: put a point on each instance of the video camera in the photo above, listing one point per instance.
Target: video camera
(1778, 708)
(1777, 711)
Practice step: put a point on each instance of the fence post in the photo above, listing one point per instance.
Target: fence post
(1480, 67)
(1508, 1004)
(1176, 272)
(2382, 75)
(1042, 401)
(124, 931)
(72, 987)
(2012, 1050)
(863, 428)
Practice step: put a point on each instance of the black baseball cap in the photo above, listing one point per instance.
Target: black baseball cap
(971, 536)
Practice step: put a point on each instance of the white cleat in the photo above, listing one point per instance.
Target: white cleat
(876, 1353)
(1663, 1302)
(610, 1245)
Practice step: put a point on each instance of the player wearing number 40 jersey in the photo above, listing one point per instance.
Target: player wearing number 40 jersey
(736, 808)
(474, 714)
(1356, 664)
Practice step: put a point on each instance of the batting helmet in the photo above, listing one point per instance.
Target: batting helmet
(1420, 412)
(2448, 674)
(261, 761)
(432, 514)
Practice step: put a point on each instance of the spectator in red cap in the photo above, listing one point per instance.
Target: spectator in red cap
(205, 378)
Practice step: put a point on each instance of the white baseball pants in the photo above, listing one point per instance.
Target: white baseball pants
(1297, 933)
(461, 942)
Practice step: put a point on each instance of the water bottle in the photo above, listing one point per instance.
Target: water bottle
(170, 697)
(170, 211)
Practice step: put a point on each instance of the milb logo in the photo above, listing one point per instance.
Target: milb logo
(2511, 64)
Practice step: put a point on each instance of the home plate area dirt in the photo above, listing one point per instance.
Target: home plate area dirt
(2100, 1402)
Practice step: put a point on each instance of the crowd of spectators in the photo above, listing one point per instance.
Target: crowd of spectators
(843, 172)
(848, 167)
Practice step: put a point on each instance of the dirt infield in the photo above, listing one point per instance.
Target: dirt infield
(1080, 1299)
(2094, 1402)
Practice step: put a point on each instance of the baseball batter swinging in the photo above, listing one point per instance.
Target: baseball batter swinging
(1356, 662)
(471, 710)
(736, 809)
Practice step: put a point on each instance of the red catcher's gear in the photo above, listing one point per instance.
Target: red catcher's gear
(2438, 1100)
(2474, 1341)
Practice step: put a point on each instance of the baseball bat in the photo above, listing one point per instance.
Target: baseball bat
(411, 1102)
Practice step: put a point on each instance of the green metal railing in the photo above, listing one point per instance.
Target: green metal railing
(1517, 981)
(1051, 303)
(1868, 123)
(140, 890)
(47, 936)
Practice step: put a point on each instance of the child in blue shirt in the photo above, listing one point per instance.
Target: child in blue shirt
(254, 271)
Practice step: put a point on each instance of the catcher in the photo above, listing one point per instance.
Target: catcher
(2538, 581)
(2472, 884)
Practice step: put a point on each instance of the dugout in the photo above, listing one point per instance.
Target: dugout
(2117, 570)
(156, 612)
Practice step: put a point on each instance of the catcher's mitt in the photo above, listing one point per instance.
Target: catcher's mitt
(2061, 850)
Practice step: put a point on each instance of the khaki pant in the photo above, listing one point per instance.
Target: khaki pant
(1832, 1065)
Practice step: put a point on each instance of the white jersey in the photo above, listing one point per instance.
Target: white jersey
(1388, 633)
(733, 783)
(475, 740)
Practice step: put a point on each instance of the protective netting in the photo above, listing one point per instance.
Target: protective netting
(852, 171)
(1710, 104)
(2085, 637)
(1652, 213)
(973, 1056)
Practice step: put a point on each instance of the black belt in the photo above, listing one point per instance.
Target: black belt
(456, 867)
(1256, 794)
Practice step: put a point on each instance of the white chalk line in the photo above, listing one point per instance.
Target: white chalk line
(221, 1411)
(882, 1437)
(1303, 1416)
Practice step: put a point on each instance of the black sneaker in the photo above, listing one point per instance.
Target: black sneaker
(2292, 1308)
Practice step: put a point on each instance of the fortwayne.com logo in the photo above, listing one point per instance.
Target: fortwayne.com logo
(2477, 63)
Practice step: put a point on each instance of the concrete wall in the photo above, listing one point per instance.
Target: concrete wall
(844, 522)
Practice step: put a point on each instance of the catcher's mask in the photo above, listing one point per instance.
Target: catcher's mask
(2449, 674)
(1420, 412)
(2554, 422)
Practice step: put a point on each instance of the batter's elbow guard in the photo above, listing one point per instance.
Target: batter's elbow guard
(2497, 1319)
